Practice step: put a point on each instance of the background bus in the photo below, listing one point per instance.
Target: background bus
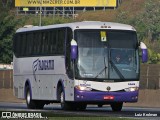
(77, 64)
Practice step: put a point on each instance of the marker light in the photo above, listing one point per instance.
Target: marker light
(104, 26)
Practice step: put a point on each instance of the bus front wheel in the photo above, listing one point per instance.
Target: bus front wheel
(81, 106)
(117, 106)
(64, 105)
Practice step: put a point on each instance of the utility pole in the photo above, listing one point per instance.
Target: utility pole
(40, 17)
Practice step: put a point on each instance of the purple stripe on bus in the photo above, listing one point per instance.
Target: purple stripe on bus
(74, 51)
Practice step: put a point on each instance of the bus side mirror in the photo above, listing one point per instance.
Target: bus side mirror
(144, 52)
(74, 51)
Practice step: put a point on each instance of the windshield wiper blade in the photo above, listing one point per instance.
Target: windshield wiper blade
(117, 71)
(102, 69)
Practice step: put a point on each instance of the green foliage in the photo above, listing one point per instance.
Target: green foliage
(146, 24)
(50, 20)
(6, 32)
(8, 25)
(153, 57)
(87, 118)
(122, 17)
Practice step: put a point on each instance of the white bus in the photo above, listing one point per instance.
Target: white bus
(77, 64)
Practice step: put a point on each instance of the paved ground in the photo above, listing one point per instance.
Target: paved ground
(92, 110)
(148, 104)
(6, 95)
(147, 98)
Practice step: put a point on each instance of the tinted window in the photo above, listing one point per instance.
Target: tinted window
(40, 43)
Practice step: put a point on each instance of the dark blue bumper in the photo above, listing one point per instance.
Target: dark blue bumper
(92, 96)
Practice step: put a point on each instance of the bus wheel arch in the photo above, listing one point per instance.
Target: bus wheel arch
(60, 93)
(61, 96)
(59, 87)
(27, 84)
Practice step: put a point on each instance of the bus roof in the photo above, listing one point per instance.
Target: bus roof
(81, 25)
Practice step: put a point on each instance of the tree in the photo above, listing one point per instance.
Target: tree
(6, 32)
(7, 3)
(149, 20)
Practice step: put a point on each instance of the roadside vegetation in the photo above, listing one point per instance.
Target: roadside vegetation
(88, 118)
(144, 15)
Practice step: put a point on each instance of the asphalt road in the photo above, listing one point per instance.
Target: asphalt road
(92, 110)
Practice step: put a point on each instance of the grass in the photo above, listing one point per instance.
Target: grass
(131, 7)
(81, 116)
(88, 118)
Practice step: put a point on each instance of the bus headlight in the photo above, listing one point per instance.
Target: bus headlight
(83, 88)
(131, 89)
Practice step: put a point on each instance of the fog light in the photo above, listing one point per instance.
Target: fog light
(135, 97)
(132, 98)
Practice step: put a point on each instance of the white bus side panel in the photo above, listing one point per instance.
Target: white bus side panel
(18, 90)
(43, 73)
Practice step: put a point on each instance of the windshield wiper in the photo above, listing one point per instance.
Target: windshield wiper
(102, 69)
(116, 69)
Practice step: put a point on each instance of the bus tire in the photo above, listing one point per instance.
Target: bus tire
(30, 103)
(39, 104)
(117, 106)
(64, 105)
(100, 105)
(81, 106)
(33, 104)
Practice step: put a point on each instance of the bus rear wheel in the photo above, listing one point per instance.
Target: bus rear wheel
(32, 104)
(117, 106)
(29, 101)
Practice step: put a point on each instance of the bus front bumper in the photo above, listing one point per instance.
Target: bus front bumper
(94, 96)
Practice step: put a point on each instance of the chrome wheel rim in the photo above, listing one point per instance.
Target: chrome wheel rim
(28, 98)
(62, 99)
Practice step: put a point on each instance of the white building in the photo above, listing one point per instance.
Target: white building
(6, 66)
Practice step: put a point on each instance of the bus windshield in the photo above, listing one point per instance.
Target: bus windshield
(107, 55)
